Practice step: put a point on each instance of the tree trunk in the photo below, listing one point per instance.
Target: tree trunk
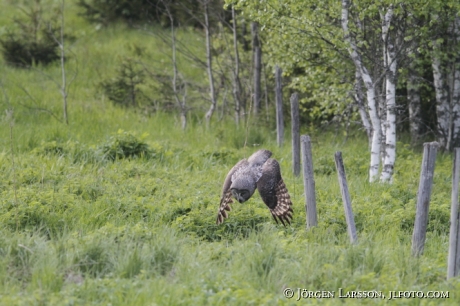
(456, 90)
(414, 101)
(212, 91)
(442, 97)
(359, 98)
(257, 57)
(370, 92)
(63, 72)
(390, 99)
(180, 104)
(236, 71)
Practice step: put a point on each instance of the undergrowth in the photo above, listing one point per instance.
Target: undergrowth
(119, 207)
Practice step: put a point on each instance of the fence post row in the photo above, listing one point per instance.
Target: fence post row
(308, 182)
(346, 197)
(423, 197)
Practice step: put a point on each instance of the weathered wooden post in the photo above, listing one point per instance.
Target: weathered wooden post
(295, 127)
(308, 182)
(453, 259)
(346, 197)
(423, 197)
(279, 107)
(457, 260)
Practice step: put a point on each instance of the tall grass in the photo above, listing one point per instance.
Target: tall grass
(140, 230)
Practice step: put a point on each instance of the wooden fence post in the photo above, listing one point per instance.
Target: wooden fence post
(423, 197)
(457, 260)
(279, 107)
(346, 197)
(453, 259)
(308, 182)
(295, 124)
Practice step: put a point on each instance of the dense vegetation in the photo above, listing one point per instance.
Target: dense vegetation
(118, 207)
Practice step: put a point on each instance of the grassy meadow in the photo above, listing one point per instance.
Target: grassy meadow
(79, 225)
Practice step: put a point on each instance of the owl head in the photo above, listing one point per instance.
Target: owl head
(243, 187)
(241, 195)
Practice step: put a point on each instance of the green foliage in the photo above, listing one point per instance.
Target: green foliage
(123, 89)
(105, 12)
(184, 13)
(125, 145)
(32, 37)
(92, 216)
(85, 232)
(93, 260)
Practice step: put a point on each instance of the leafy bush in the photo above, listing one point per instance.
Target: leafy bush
(31, 39)
(123, 89)
(124, 145)
(22, 52)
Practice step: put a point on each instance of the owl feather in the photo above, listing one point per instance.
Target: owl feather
(261, 172)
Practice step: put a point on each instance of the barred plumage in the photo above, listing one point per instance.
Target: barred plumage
(261, 172)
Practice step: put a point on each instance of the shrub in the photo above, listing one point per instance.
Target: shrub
(20, 51)
(123, 89)
(124, 145)
(31, 39)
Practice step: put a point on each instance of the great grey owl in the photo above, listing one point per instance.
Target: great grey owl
(263, 172)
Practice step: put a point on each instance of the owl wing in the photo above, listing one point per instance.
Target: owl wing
(274, 192)
(226, 197)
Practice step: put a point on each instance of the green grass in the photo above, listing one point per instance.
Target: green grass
(86, 230)
(78, 228)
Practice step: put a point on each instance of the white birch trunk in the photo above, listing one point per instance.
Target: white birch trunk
(390, 101)
(456, 91)
(382, 111)
(442, 96)
(359, 98)
(370, 93)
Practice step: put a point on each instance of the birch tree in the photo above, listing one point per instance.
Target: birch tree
(442, 94)
(370, 92)
(212, 91)
(367, 45)
(390, 64)
(445, 41)
(456, 87)
(358, 96)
